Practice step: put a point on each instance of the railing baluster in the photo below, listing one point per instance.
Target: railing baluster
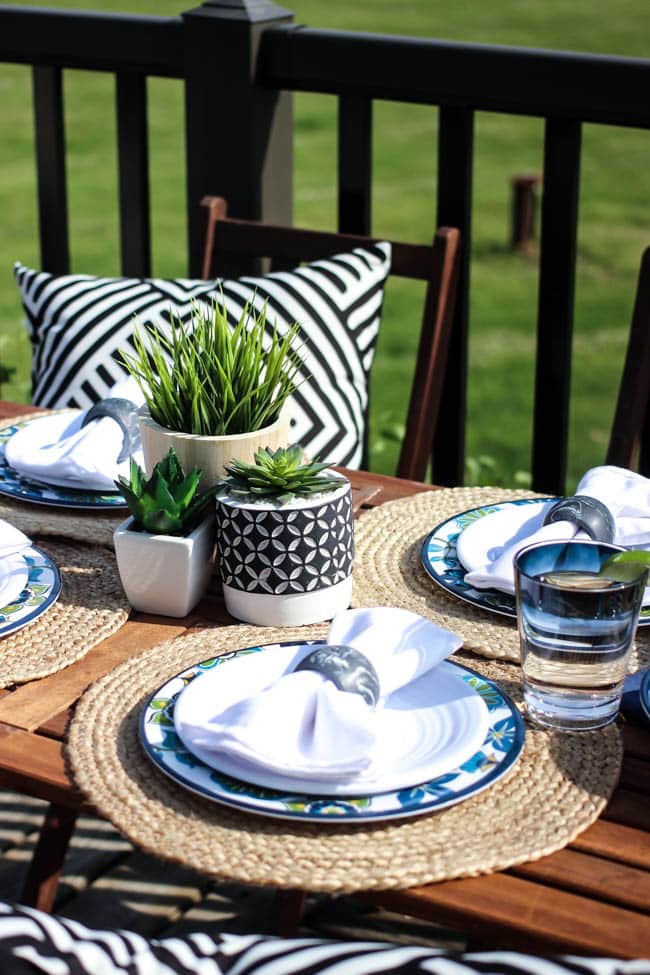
(355, 164)
(644, 449)
(454, 209)
(555, 304)
(133, 163)
(47, 86)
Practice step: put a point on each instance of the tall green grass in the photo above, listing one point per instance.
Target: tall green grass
(614, 224)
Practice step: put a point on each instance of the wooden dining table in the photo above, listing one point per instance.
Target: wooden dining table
(592, 897)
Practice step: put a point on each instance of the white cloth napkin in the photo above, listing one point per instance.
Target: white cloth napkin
(13, 568)
(58, 450)
(625, 493)
(300, 724)
(12, 541)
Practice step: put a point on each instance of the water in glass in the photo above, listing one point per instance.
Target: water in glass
(576, 630)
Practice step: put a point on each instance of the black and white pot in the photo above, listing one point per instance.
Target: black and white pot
(286, 564)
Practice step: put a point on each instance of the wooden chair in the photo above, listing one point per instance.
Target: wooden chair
(629, 444)
(436, 264)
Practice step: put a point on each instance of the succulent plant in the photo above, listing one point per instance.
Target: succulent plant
(167, 502)
(278, 474)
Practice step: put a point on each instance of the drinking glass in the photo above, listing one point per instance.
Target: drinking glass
(576, 630)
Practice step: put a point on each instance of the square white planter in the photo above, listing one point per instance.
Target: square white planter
(165, 574)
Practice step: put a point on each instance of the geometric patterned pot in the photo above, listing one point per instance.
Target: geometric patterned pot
(286, 564)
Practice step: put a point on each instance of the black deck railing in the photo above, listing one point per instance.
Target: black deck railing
(239, 63)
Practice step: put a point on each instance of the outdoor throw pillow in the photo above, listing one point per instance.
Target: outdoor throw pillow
(78, 324)
(33, 943)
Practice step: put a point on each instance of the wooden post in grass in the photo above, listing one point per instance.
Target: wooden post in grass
(238, 134)
(524, 210)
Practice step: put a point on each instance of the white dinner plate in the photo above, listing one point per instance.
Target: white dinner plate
(493, 759)
(13, 578)
(434, 726)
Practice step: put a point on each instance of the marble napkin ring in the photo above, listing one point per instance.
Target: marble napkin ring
(347, 668)
(587, 513)
(125, 414)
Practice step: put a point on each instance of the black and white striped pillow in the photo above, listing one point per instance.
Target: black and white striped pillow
(32, 942)
(78, 324)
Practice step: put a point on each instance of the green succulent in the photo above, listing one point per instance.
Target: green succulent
(278, 474)
(166, 503)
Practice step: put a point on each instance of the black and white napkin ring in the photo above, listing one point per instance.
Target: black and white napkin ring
(587, 513)
(125, 414)
(347, 668)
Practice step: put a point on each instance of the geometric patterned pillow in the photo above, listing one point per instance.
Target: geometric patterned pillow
(78, 324)
(36, 943)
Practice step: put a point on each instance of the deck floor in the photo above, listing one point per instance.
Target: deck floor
(108, 883)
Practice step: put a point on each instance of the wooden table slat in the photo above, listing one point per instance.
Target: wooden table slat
(34, 703)
(630, 809)
(582, 873)
(613, 841)
(527, 915)
(34, 765)
(635, 775)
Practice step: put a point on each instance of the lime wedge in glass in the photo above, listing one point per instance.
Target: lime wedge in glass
(626, 566)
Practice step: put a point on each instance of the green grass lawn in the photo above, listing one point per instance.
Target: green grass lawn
(614, 224)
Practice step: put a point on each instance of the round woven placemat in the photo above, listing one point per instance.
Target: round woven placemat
(559, 786)
(388, 570)
(94, 527)
(92, 605)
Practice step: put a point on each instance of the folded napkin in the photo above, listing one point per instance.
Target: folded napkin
(59, 450)
(13, 568)
(302, 726)
(12, 541)
(625, 493)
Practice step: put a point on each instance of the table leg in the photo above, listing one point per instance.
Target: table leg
(42, 880)
(287, 912)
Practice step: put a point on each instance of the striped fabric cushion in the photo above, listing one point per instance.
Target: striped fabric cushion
(78, 324)
(31, 942)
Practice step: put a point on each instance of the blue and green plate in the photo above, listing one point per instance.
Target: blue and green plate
(12, 485)
(41, 591)
(500, 749)
(440, 560)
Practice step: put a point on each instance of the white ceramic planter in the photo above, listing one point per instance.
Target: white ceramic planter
(165, 574)
(208, 453)
(286, 564)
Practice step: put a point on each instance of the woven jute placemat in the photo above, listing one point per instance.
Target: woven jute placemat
(94, 527)
(559, 786)
(388, 570)
(92, 605)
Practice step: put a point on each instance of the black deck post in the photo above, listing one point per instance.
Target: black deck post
(455, 171)
(238, 134)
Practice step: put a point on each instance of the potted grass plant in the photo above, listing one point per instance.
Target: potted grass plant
(285, 539)
(165, 549)
(213, 392)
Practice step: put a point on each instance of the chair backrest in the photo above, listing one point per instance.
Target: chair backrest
(629, 444)
(436, 264)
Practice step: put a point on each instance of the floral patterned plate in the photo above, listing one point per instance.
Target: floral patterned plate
(40, 593)
(15, 486)
(441, 562)
(501, 748)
